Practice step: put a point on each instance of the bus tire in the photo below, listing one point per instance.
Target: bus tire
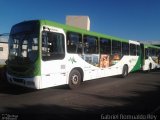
(124, 71)
(75, 79)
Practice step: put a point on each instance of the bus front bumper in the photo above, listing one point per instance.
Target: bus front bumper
(33, 82)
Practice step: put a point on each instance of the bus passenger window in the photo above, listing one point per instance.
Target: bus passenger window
(146, 53)
(125, 48)
(116, 47)
(52, 46)
(138, 50)
(90, 44)
(74, 42)
(158, 54)
(153, 52)
(105, 46)
(133, 49)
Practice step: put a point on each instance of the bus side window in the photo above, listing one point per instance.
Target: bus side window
(52, 46)
(158, 54)
(138, 50)
(74, 42)
(150, 52)
(90, 44)
(125, 48)
(153, 52)
(133, 49)
(116, 47)
(105, 46)
(146, 53)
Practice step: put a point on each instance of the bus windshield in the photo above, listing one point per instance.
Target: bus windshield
(23, 44)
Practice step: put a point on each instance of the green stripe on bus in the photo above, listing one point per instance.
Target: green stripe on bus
(138, 65)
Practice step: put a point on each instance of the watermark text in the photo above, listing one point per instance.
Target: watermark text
(6, 116)
(128, 117)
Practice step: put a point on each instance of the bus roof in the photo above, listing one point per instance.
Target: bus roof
(151, 46)
(79, 30)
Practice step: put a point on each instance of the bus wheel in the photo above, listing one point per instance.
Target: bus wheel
(124, 71)
(74, 79)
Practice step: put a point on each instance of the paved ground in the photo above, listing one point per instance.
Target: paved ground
(138, 95)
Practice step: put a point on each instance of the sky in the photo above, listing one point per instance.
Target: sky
(127, 19)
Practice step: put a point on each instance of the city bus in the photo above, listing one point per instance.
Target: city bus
(44, 54)
(152, 57)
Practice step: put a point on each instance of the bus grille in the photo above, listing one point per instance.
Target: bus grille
(19, 80)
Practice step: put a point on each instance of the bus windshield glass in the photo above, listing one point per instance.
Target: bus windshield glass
(23, 43)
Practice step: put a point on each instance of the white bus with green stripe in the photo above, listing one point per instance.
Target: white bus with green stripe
(44, 54)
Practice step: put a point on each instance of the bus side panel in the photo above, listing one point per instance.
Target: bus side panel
(53, 73)
(93, 72)
(138, 65)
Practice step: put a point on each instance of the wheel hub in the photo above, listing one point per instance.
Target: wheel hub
(75, 79)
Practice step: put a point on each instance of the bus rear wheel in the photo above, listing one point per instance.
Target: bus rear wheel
(124, 71)
(75, 79)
